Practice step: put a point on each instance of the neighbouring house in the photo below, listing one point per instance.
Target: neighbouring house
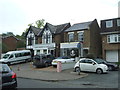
(110, 31)
(49, 39)
(9, 43)
(81, 39)
(32, 38)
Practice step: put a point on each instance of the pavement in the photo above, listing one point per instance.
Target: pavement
(45, 74)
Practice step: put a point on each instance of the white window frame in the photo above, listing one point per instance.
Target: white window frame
(30, 34)
(80, 35)
(46, 32)
(109, 24)
(114, 38)
(69, 38)
(118, 22)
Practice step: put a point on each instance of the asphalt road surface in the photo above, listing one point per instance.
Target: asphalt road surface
(93, 80)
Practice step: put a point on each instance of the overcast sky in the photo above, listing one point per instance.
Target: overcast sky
(15, 15)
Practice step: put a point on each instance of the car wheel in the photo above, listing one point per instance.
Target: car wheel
(46, 64)
(99, 71)
(110, 68)
(77, 69)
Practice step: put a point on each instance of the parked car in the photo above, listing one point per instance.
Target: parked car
(90, 65)
(63, 59)
(8, 77)
(42, 60)
(111, 66)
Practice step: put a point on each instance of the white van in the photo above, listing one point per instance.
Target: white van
(16, 56)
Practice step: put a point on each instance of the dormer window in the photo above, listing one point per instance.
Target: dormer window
(109, 24)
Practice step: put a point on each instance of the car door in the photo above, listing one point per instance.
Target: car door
(89, 65)
(82, 65)
(11, 58)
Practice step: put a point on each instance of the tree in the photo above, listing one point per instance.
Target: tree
(40, 23)
(8, 34)
(20, 44)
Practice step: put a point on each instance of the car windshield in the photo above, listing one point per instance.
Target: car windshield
(4, 68)
(100, 61)
(6, 56)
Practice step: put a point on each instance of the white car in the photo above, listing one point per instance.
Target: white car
(90, 65)
(63, 59)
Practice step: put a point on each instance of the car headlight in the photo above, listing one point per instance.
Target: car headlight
(115, 65)
(105, 67)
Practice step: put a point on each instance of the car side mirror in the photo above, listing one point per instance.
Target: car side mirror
(93, 63)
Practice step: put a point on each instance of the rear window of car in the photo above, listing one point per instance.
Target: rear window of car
(4, 68)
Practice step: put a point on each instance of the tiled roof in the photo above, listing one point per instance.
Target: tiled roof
(35, 30)
(79, 26)
(55, 29)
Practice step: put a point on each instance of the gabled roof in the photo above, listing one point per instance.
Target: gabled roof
(55, 29)
(79, 26)
(34, 30)
(4, 37)
(60, 28)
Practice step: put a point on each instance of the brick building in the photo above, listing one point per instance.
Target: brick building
(10, 43)
(110, 31)
(47, 40)
(88, 33)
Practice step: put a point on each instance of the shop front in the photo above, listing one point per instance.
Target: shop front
(69, 49)
(44, 49)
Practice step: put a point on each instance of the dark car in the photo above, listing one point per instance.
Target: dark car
(8, 77)
(42, 60)
(111, 66)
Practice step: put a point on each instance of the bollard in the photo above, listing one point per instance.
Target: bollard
(59, 66)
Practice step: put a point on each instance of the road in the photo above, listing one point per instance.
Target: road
(93, 80)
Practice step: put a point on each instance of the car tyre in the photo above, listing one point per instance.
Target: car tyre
(77, 69)
(46, 64)
(99, 71)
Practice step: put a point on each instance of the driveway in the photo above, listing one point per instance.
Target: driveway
(26, 70)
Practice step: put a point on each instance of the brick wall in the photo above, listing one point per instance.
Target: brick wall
(10, 42)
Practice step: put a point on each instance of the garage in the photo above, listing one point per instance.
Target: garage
(112, 55)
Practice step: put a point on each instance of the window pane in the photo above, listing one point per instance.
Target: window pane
(108, 38)
(109, 23)
(118, 22)
(71, 37)
(119, 38)
(80, 36)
